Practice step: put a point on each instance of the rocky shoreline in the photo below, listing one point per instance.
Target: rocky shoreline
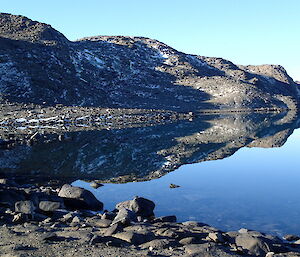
(57, 220)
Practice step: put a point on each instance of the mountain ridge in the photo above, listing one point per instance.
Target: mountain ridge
(40, 65)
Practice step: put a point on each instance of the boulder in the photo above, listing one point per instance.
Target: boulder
(258, 246)
(79, 198)
(141, 206)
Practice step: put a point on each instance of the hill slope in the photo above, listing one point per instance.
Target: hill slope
(38, 64)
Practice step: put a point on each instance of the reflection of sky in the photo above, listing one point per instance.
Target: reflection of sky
(256, 188)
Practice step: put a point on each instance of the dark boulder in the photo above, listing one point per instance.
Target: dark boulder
(139, 205)
(79, 198)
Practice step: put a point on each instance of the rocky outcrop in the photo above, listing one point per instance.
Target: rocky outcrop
(38, 64)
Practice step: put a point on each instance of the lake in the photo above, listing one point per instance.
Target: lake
(234, 171)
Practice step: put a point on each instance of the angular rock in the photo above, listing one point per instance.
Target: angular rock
(115, 228)
(216, 237)
(125, 217)
(108, 215)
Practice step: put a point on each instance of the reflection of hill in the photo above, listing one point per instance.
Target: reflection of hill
(148, 152)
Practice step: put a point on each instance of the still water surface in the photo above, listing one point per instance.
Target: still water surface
(233, 170)
(256, 188)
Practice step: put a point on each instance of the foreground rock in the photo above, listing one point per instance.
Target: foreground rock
(79, 198)
(42, 224)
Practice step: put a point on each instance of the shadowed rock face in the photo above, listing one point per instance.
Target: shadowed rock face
(38, 64)
(148, 152)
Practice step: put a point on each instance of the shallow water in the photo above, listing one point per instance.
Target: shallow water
(233, 171)
(256, 188)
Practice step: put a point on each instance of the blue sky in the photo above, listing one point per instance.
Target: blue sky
(245, 32)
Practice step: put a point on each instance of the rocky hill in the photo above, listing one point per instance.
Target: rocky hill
(40, 65)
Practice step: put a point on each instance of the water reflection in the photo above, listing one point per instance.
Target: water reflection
(254, 188)
(147, 152)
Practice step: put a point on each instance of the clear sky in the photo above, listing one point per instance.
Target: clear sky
(243, 31)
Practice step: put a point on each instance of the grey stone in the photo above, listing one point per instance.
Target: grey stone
(290, 237)
(216, 237)
(173, 186)
(49, 206)
(142, 207)
(188, 241)
(115, 228)
(95, 184)
(26, 207)
(158, 244)
(75, 221)
(125, 217)
(134, 238)
(255, 245)
(98, 222)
